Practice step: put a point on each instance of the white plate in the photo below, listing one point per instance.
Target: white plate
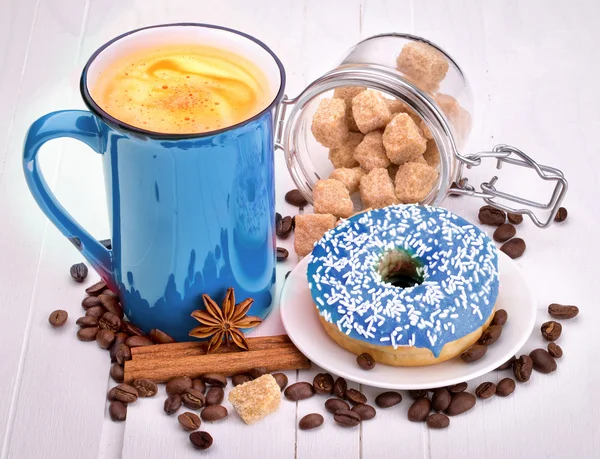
(304, 329)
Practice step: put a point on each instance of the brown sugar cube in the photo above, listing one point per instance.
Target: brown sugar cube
(432, 154)
(370, 111)
(459, 118)
(426, 132)
(256, 399)
(397, 106)
(377, 189)
(348, 93)
(414, 181)
(329, 123)
(403, 139)
(343, 156)
(332, 197)
(370, 153)
(423, 64)
(419, 160)
(350, 177)
(308, 229)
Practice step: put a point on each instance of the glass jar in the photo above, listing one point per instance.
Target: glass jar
(444, 108)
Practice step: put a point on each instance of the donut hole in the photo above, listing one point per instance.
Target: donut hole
(400, 269)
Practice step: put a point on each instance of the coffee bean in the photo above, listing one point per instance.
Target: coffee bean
(295, 198)
(474, 353)
(105, 338)
(441, 399)
(201, 440)
(419, 410)
(456, 388)
(96, 289)
(485, 390)
(500, 317)
(79, 272)
(335, 404)
(323, 384)
(365, 411)
(339, 387)
(160, 337)
(139, 341)
(110, 321)
(213, 413)
(560, 311)
(87, 321)
(355, 397)
(257, 372)
(90, 301)
(504, 232)
(111, 304)
(282, 254)
(388, 399)
(117, 411)
(58, 318)
(438, 421)
(460, 403)
(365, 361)
(311, 421)
(214, 379)
(193, 399)
(299, 391)
(522, 368)
(96, 311)
(346, 418)
(117, 372)
(561, 215)
(120, 338)
(123, 354)
(515, 219)
(542, 361)
(126, 393)
(189, 421)
(131, 329)
(490, 335)
(214, 396)
(236, 380)
(417, 394)
(506, 365)
(278, 219)
(551, 330)
(145, 387)
(505, 387)
(281, 379)
(87, 333)
(555, 350)
(285, 228)
(489, 215)
(514, 248)
(106, 243)
(198, 384)
(172, 404)
(110, 396)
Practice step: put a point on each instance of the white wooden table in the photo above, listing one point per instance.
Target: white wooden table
(534, 69)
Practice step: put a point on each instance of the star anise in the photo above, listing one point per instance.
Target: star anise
(224, 322)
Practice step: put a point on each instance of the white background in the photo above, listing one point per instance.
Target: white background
(533, 66)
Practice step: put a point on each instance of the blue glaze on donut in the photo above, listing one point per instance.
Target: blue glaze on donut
(457, 295)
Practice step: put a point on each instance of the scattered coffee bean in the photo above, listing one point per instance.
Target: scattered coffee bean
(160, 337)
(172, 404)
(485, 390)
(198, 384)
(522, 368)
(213, 413)
(346, 418)
(201, 440)
(514, 248)
(281, 379)
(214, 396)
(365, 361)
(96, 311)
(106, 243)
(555, 350)
(515, 219)
(177, 386)
(87, 321)
(506, 365)
(105, 338)
(561, 215)
(543, 362)
(489, 215)
(323, 384)
(505, 387)
(388, 399)
(117, 411)
(79, 272)
(282, 254)
(560, 311)
(365, 411)
(110, 321)
(437, 421)
(214, 379)
(58, 318)
(90, 301)
(474, 353)
(417, 394)
(339, 387)
(123, 354)
(145, 387)
(278, 219)
(193, 399)
(111, 304)
(335, 404)
(299, 391)
(441, 399)
(295, 198)
(500, 317)
(419, 410)
(311, 421)
(287, 224)
(120, 338)
(551, 330)
(257, 372)
(126, 393)
(490, 335)
(139, 341)
(355, 396)
(456, 388)
(87, 333)
(110, 396)
(504, 232)
(131, 329)
(236, 380)
(96, 289)
(189, 421)
(117, 372)
(460, 403)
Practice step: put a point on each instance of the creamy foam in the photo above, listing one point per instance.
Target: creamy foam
(182, 89)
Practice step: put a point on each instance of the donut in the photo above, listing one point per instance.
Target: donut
(411, 285)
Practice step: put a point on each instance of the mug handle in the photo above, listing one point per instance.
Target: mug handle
(83, 126)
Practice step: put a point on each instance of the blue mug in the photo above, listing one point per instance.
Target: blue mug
(189, 214)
